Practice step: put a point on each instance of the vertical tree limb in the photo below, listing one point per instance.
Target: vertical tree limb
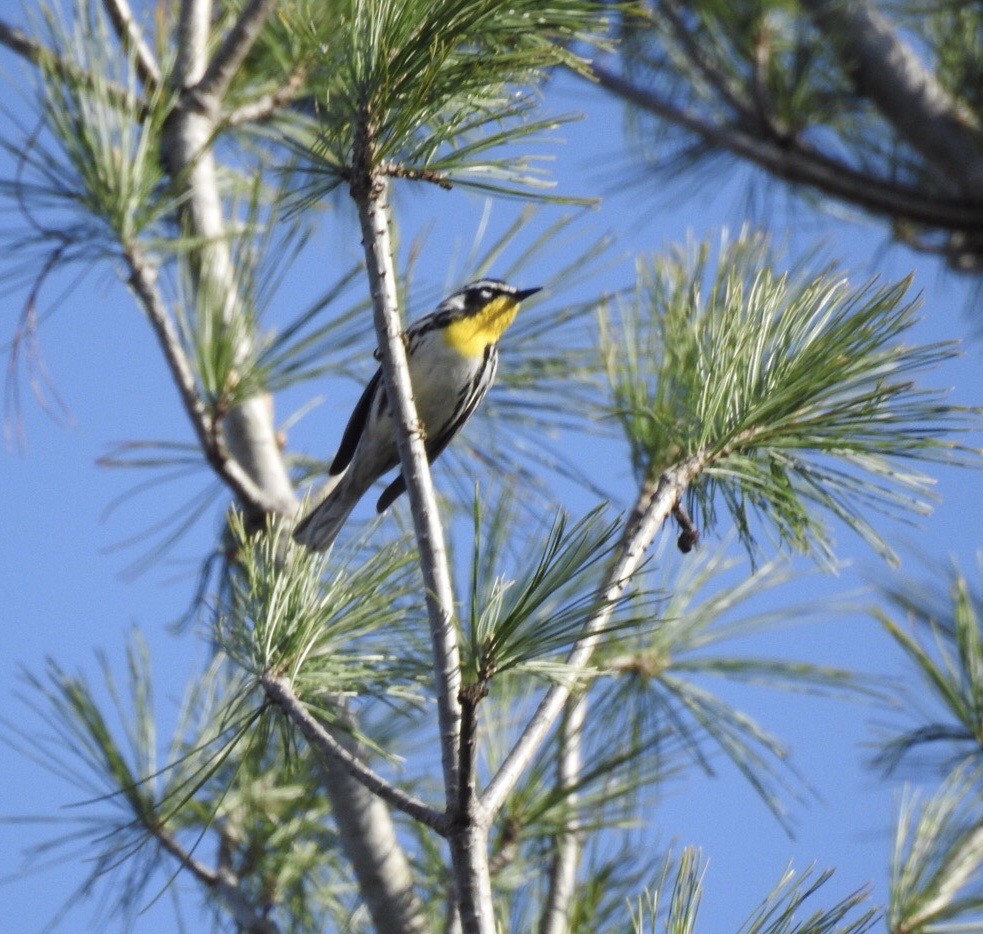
(381, 869)
(369, 194)
(469, 829)
(194, 24)
(566, 858)
(249, 426)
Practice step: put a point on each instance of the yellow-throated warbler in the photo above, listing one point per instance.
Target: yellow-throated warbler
(452, 355)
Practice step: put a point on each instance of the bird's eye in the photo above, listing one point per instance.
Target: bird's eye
(485, 295)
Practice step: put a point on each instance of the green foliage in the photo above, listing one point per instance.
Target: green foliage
(103, 741)
(950, 665)
(523, 622)
(437, 85)
(778, 912)
(225, 785)
(681, 884)
(89, 177)
(757, 70)
(938, 859)
(600, 805)
(654, 691)
(793, 389)
(331, 632)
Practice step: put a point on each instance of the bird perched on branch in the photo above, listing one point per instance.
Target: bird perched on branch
(453, 356)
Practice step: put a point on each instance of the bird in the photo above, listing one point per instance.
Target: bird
(452, 355)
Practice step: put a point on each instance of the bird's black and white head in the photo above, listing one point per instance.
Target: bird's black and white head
(474, 297)
(479, 313)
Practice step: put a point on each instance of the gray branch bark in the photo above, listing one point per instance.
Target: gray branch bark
(369, 193)
(131, 37)
(280, 692)
(887, 70)
(380, 867)
(566, 858)
(247, 916)
(209, 434)
(794, 162)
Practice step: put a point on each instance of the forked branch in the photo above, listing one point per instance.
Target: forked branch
(247, 916)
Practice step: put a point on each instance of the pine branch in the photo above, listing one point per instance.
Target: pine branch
(249, 426)
(279, 691)
(469, 837)
(194, 20)
(266, 106)
(377, 859)
(223, 881)
(131, 37)
(887, 71)
(791, 159)
(39, 54)
(23, 45)
(141, 280)
(653, 507)
(234, 48)
(369, 842)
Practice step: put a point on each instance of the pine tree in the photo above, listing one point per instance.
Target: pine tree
(413, 731)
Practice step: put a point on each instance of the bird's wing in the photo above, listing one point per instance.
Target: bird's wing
(435, 446)
(356, 425)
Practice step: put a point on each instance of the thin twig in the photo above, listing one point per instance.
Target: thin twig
(266, 106)
(654, 506)
(697, 53)
(24, 45)
(279, 691)
(131, 37)
(142, 281)
(39, 54)
(247, 917)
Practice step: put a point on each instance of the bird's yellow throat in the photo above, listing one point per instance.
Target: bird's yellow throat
(470, 336)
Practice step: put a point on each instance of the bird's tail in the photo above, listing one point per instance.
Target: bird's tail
(319, 528)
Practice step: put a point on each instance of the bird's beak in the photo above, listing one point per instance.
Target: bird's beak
(523, 294)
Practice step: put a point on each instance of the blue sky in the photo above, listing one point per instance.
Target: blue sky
(66, 594)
